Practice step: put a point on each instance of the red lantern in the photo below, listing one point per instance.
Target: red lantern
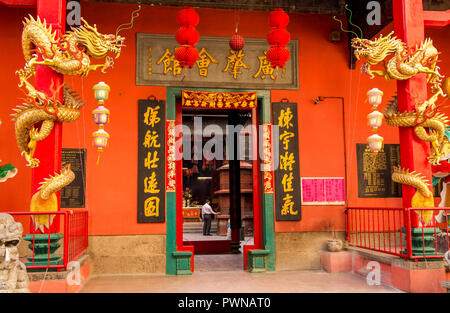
(188, 17)
(186, 55)
(237, 42)
(278, 18)
(278, 37)
(278, 56)
(187, 35)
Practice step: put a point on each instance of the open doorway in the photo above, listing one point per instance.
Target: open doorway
(227, 178)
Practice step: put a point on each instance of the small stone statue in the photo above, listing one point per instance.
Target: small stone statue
(13, 273)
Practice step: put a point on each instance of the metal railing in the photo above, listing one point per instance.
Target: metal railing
(389, 230)
(74, 225)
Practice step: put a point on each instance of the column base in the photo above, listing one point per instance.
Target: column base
(257, 261)
(183, 262)
(423, 241)
(45, 246)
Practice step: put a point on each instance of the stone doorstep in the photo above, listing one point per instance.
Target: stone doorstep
(39, 276)
(398, 261)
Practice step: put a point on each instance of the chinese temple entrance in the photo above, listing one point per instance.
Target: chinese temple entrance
(220, 163)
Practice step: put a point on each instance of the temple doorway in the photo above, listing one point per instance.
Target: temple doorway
(217, 161)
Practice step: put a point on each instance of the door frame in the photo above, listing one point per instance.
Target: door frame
(178, 255)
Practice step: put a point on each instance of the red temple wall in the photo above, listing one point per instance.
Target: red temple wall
(111, 190)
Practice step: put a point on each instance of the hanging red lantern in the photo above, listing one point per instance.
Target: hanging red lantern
(278, 37)
(278, 18)
(186, 55)
(278, 56)
(237, 42)
(187, 35)
(188, 17)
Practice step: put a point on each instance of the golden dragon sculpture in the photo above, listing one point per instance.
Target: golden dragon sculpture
(70, 54)
(38, 107)
(423, 198)
(45, 199)
(430, 128)
(429, 124)
(404, 63)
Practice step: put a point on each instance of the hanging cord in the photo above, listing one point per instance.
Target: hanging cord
(129, 25)
(350, 22)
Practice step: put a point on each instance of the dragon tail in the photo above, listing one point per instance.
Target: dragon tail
(45, 199)
(423, 198)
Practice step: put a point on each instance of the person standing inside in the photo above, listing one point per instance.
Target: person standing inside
(207, 214)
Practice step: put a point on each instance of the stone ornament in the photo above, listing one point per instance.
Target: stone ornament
(13, 273)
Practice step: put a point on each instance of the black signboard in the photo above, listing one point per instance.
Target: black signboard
(287, 167)
(375, 170)
(151, 161)
(73, 195)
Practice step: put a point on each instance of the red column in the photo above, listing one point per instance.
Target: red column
(48, 151)
(409, 26)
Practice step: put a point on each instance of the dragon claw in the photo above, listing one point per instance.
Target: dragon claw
(33, 162)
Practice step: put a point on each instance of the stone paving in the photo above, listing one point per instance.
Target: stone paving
(224, 274)
(235, 282)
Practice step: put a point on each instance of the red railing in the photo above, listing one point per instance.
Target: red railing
(74, 225)
(389, 230)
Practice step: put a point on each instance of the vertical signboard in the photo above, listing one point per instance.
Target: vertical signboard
(375, 171)
(73, 195)
(287, 174)
(151, 161)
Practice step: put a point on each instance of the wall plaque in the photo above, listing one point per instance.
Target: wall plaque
(73, 195)
(217, 65)
(375, 170)
(151, 161)
(287, 174)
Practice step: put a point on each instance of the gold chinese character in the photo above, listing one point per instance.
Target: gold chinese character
(204, 59)
(285, 136)
(265, 69)
(234, 63)
(170, 63)
(150, 139)
(287, 182)
(286, 161)
(288, 206)
(150, 161)
(151, 116)
(151, 206)
(150, 61)
(285, 118)
(151, 184)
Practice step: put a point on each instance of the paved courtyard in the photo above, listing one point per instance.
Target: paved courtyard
(233, 280)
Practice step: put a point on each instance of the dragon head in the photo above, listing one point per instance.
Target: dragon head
(362, 47)
(98, 45)
(375, 50)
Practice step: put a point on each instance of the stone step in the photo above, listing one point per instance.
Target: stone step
(198, 227)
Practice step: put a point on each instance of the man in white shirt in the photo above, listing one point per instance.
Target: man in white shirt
(207, 213)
